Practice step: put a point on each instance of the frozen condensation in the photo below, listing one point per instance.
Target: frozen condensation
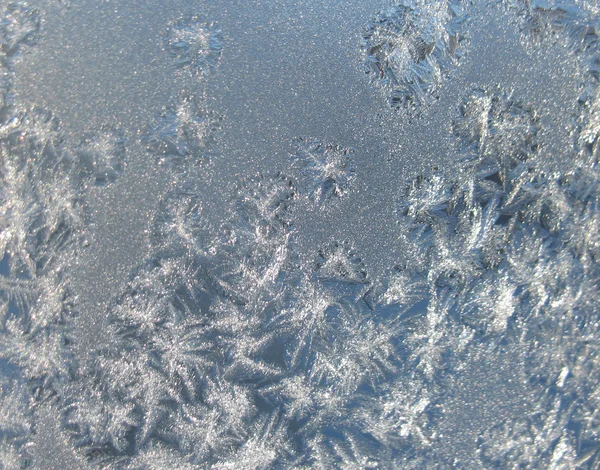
(324, 170)
(101, 155)
(410, 48)
(40, 206)
(195, 43)
(234, 346)
(197, 318)
(180, 225)
(497, 130)
(19, 26)
(19, 23)
(510, 257)
(183, 134)
(566, 22)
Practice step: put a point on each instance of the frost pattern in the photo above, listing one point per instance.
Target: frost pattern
(20, 23)
(42, 220)
(497, 130)
(510, 257)
(184, 134)
(228, 351)
(218, 327)
(324, 170)
(19, 27)
(195, 43)
(411, 46)
(101, 155)
(557, 21)
(43, 177)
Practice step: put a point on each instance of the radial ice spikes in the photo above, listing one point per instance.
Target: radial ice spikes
(497, 130)
(41, 221)
(410, 48)
(19, 26)
(324, 171)
(183, 134)
(195, 43)
(40, 208)
(229, 353)
(180, 225)
(554, 20)
(530, 270)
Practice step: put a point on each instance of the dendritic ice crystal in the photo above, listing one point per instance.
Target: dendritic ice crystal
(324, 170)
(555, 21)
(19, 23)
(234, 344)
(411, 46)
(183, 133)
(195, 43)
(19, 26)
(498, 130)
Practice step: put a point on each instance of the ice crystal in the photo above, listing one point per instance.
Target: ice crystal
(210, 325)
(499, 258)
(361, 351)
(411, 46)
(555, 20)
(40, 208)
(157, 457)
(497, 129)
(15, 410)
(41, 355)
(530, 441)
(18, 27)
(400, 416)
(195, 43)
(12, 456)
(93, 419)
(230, 349)
(100, 155)
(324, 170)
(339, 263)
(180, 225)
(183, 134)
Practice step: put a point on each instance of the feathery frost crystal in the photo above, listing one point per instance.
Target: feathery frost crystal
(234, 346)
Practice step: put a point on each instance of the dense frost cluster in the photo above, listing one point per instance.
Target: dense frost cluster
(507, 257)
(229, 350)
(542, 20)
(324, 170)
(185, 134)
(195, 43)
(19, 27)
(410, 47)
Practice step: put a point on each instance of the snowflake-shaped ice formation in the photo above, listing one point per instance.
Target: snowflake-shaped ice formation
(185, 133)
(540, 439)
(180, 225)
(510, 258)
(40, 206)
(410, 46)
(195, 43)
(496, 129)
(549, 20)
(101, 155)
(324, 170)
